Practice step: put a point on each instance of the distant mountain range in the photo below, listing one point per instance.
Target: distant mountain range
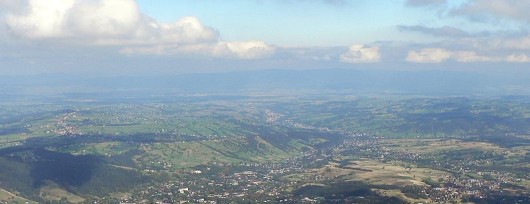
(337, 80)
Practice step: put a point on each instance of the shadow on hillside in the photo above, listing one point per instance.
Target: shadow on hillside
(61, 168)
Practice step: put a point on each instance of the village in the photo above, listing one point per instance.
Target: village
(268, 182)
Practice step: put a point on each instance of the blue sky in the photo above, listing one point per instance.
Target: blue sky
(134, 37)
(293, 23)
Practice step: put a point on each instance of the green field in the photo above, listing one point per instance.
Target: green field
(393, 147)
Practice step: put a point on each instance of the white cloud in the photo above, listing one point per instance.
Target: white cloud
(361, 54)
(428, 55)
(469, 56)
(187, 30)
(103, 22)
(521, 58)
(43, 19)
(9, 5)
(120, 23)
(103, 18)
(240, 50)
(438, 55)
(503, 23)
(245, 50)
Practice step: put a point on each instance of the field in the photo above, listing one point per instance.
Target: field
(385, 178)
(9, 197)
(425, 146)
(391, 149)
(233, 150)
(53, 192)
(377, 173)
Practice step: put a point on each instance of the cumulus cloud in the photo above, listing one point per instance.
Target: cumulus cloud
(439, 55)
(101, 21)
(120, 23)
(43, 19)
(245, 50)
(103, 18)
(361, 54)
(9, 4)
(71, 18)
(428, 55)
(241, 50)
(187, 30)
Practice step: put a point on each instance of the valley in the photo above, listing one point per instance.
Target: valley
(368, 149)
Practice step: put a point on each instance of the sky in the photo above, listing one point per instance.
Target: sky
(146, 37)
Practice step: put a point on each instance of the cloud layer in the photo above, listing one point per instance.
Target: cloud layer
(439, 55)
(476, 31)
(120, 23)
(445, 31)
(242, 50)
(504, 37)
(493, 9)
